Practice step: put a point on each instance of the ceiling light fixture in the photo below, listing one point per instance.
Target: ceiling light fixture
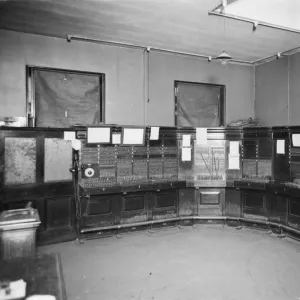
(224, 57)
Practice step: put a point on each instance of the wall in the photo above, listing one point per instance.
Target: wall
(123, 69)
(294, 89)
(165, 69)
(277, 91)
(126, 91)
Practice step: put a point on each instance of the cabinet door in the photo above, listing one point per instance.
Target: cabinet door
(165, 205)
(254, 204)
(233, 202)
(277, 207)
(58, 212)
(294, 212)
(57, 220)
(134, 208)
(211, 202)
(187, 202)
(100, 210)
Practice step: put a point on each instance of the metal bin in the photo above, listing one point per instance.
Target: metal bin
(18, 233)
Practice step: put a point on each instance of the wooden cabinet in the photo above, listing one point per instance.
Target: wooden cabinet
(34, 166)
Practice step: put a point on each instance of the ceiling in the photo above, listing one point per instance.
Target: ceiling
(284, 13)
(180, 25)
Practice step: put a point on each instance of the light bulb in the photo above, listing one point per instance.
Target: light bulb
(224, 62)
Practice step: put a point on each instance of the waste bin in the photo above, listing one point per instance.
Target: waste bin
(18, 232)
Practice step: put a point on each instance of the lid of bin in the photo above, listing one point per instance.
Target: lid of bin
(17, 216)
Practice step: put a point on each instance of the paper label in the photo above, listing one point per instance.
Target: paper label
(133, 136)
(296, 140)
(154, 133)
(116, 138)
(98, 135)
(280, 147)
(186, 140)
(234, 147)
(69, 135)
(233, 162)
(201, 136)
(186, 154)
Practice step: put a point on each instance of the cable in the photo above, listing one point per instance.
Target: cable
(78, 208)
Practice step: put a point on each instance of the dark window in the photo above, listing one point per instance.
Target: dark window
(60, 98)
(199, 104)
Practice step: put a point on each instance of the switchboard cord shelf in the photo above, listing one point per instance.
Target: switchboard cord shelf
(125, 188)
(282, 229)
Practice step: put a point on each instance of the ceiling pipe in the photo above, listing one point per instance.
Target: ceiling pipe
(291, 51)
(266, 59)
(254, 22)
(209, 58)
(147, 48)
(278, 55)
(180, 52)
(71, 37)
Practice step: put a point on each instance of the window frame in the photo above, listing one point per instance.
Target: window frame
(222, 100)
(30, 90)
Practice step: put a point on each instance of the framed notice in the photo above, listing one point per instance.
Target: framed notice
(98, 135)
(133, 136)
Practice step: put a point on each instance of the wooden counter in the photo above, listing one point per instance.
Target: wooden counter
(43, 274)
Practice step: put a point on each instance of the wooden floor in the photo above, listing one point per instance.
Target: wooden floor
(209, 262)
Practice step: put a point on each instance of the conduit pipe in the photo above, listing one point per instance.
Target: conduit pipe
(277, 56)
(254, 22)
(148, 48)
